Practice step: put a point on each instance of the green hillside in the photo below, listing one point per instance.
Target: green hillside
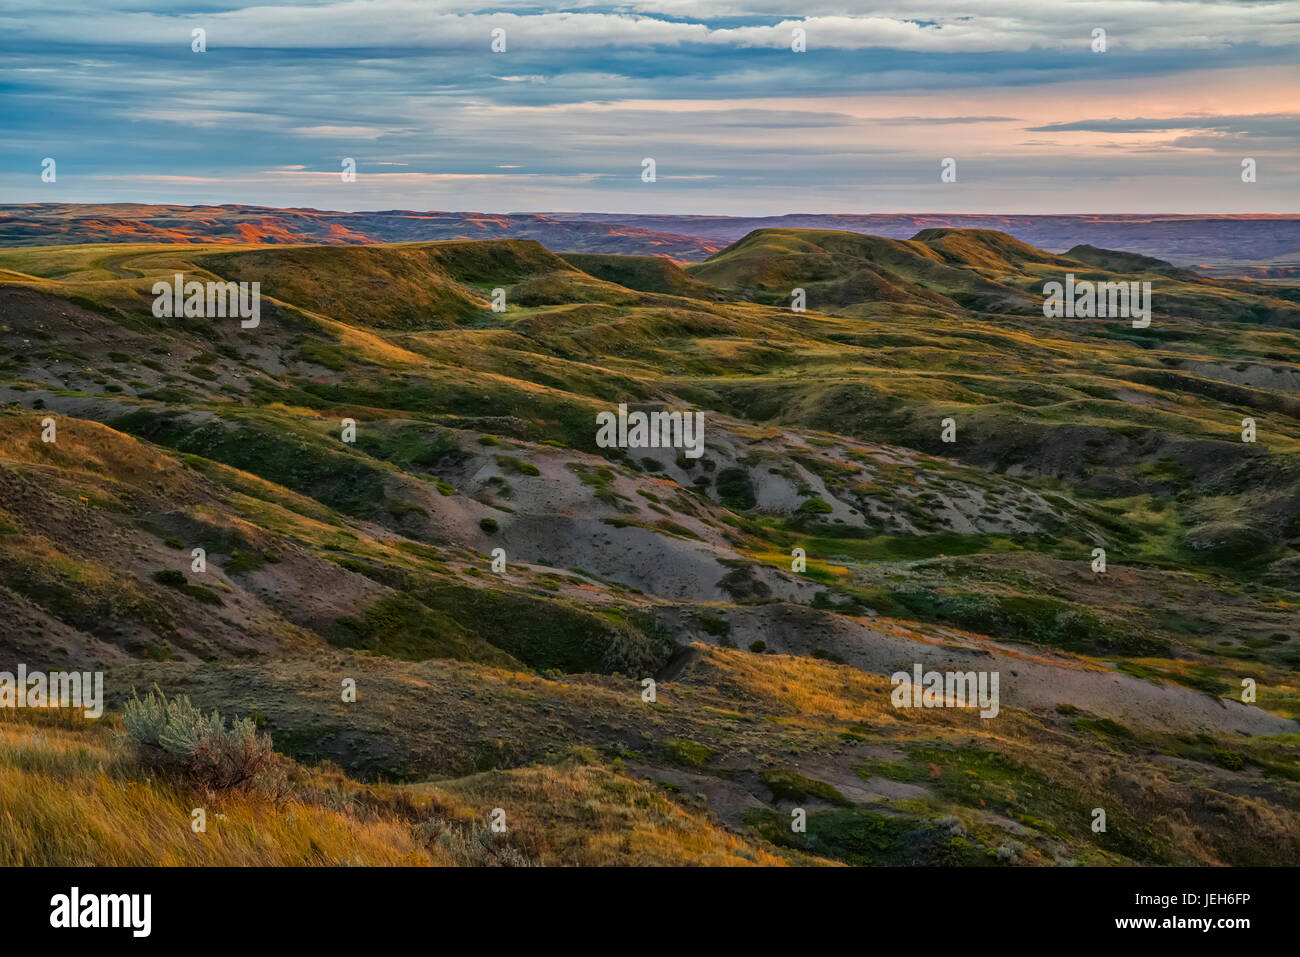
(947, 460)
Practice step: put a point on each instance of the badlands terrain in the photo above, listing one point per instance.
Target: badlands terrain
(827, 538)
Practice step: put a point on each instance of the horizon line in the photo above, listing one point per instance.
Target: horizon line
(695, 215)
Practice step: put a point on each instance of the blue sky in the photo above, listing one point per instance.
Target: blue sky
(736, 121)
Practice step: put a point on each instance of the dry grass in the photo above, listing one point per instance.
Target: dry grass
(814, 690)
(69, 796)
(582, 814)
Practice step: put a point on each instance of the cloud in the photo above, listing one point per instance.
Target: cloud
(973, 26)
(942, 120)
(153, 178)
(735, 119)
(1269, 124)
(342, 132)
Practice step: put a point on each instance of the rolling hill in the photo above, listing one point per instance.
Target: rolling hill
(944, 460)
(32, 224)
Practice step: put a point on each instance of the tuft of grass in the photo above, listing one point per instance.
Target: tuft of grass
(686, 752)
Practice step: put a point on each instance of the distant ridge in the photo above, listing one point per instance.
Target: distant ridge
(1256, 246)
(1259, 245)
(50, 224)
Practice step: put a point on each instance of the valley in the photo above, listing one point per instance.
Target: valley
(825, 532)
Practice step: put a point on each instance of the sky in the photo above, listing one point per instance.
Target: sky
(1035, 118)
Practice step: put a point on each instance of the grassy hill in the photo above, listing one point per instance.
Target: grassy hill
(49, 224)
(643, 273)
(520, 687)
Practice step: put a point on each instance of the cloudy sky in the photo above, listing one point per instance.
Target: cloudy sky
(736, 121)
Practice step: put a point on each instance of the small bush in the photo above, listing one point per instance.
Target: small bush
(488, 525)
(758, 646)
(1229, 759)
(687, 752)
(174, 737)
(735, 490)
(242, 561)
(713, 624)
(516, 466)
(471, 844)
(1009, 853)
(176, 579)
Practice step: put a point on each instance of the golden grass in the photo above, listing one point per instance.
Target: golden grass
(591, 816)
(71, 796)
(87, 449)
(67, 799)
(815, 689)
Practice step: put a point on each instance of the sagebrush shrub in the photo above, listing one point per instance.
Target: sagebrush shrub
(472, 845)
(177, 738)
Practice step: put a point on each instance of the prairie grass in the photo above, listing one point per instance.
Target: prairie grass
(574, 813)
(71, 796)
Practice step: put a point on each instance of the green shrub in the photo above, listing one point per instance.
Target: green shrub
(735, 490)
(1229, 759)
(516, 466)
(175, 579)
(176, 738)
(687, 752)
(242, 561)
(713, 624)
(488, 525)
(758, 646)
(400, 510)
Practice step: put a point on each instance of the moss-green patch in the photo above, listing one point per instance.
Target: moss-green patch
(513, 466)
(398, 626)
(686, 752)
(552, 632)
(1033, 618)
(869, 839)
(789, 785)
